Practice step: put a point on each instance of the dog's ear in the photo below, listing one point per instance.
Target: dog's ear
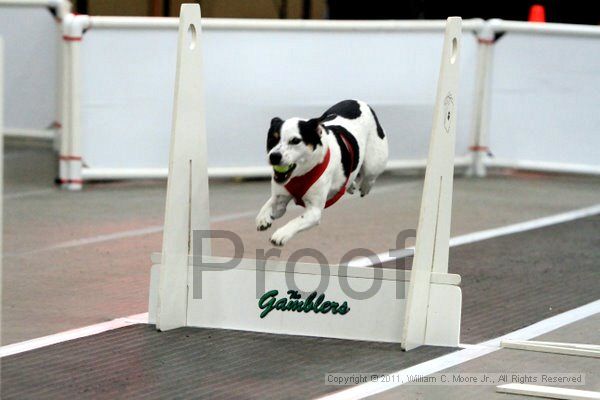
(311, 132)
(276, 123)
(315, 124)
(274, 133)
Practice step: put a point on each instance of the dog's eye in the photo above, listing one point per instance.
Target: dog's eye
(295, 141)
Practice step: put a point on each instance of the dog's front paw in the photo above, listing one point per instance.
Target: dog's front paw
(281, 236)
(263, 222)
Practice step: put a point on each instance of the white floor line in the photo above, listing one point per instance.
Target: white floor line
(488, 234)
(72, 334)
(462, 356)
(120, 235)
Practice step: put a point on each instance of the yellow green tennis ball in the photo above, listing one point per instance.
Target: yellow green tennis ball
(281, 168)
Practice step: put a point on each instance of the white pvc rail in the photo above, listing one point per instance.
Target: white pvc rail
(471, 25)
(30, 3)
(499, 25)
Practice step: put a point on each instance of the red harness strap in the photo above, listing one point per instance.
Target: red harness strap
(299, 185)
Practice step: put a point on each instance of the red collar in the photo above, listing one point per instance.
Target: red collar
(299, 185)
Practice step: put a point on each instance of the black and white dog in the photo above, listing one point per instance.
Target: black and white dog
(315, 161)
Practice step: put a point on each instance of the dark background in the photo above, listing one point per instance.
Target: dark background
(566, 11)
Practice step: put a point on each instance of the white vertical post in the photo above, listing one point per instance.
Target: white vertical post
(63, 8)
(70, 162)
(75, 164)
(65, 107)
(433, 232)
(187, 189)
(479, 124)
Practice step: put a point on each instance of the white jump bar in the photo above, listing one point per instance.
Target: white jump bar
(572, 349)
(549, 392)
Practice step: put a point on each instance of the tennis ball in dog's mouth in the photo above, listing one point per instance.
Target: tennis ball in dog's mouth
(282, 169)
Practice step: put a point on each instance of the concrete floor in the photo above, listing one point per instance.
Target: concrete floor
(508, 282)
(74, 259)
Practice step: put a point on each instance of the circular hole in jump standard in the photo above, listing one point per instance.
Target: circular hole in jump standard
(191, 37)
(454, 51)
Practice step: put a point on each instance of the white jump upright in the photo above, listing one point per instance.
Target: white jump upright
(339, 301)
(187, 188)
(421, 320)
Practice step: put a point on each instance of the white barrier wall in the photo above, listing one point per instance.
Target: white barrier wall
(542, 81)
(255, 70)
(31, 36)
(545, 97)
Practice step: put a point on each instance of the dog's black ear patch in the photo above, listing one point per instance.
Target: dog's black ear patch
(349, 109)
(309, 130)
(349, 161)
(380, 132)
(274, 134)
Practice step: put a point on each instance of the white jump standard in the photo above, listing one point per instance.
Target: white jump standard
(305, 299)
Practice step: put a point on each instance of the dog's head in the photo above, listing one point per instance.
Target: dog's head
(292, 143)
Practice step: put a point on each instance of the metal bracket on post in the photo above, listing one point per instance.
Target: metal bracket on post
(433, 233)
(187, 188)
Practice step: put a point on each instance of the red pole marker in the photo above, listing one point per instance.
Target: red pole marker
(537, 13)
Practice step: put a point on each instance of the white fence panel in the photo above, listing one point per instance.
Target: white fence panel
(31, 39)
(253, 75)
(545, 98)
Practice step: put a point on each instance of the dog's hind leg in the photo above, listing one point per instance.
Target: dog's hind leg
(372, 167)
(376, 156)
(366, 184)
(352, 187)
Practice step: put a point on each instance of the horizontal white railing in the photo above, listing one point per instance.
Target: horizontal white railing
(281, 25)
(30, 3)
(545, 166)
(499, 25)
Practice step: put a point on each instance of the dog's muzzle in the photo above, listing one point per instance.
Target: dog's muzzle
(282, 174)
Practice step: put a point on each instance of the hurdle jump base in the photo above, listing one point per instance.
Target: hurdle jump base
(230, 301)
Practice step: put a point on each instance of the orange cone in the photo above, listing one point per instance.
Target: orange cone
(537, 13)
